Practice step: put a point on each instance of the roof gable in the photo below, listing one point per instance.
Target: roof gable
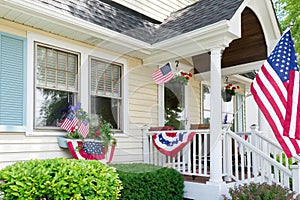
(195, 16)
(118, 18)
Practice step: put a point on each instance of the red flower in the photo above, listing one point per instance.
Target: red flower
(238, 87)
(182, 73)
(97, 133)
(187, 77)
(190, 74)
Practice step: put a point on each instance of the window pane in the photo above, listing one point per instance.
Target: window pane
(62, 61)
(108, 109)
(51, 106)
(116, 81)
(105, 78)
(206, 117)
(56, 69)
(51, 78)
(51, 58)
(72, 82)
(41, 75)
(72, 63)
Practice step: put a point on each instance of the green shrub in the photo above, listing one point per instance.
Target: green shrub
(260, 191)
(60, 178)
(147, 182)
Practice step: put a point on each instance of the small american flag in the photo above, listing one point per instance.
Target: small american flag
(276, 91)
(84, 128)
(69, 122)
(163, 74)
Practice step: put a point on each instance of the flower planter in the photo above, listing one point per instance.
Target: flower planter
(62, 141)
(226, 96)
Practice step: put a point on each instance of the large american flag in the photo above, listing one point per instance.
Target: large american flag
(276, 91)
(84, 128)
(163, 74)
(69, 122)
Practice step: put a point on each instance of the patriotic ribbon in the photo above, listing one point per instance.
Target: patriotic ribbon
(170, 143)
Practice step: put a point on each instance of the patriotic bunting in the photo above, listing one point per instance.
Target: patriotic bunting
(78, 151)
(170, 143)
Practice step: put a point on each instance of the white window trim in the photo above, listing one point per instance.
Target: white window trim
(83, 86)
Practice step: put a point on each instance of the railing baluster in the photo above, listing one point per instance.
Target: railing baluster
(248, 165)
(236, 157)
(205, 153)
(200, 145)
(189, 158)
(194, 154)
(242, 162)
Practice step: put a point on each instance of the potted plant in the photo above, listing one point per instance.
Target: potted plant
(229, 91)
(182, 77)
(101, 132)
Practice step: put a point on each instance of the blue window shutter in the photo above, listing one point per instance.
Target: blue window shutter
(12, 80)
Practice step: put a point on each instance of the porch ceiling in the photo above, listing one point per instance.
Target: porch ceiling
(251, 47)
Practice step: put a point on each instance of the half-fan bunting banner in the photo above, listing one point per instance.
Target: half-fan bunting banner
(170, 143)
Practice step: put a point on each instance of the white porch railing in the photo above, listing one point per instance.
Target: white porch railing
(255, 159)
(193, 159)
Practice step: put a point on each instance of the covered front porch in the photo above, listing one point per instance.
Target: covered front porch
(245, 157)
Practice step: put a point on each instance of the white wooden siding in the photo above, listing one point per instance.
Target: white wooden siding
(18, 147)
(194, 102)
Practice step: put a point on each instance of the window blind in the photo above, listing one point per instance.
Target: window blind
(105, 79)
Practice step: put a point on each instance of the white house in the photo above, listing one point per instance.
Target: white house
(102, 53)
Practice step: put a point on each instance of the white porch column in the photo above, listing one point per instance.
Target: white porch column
(215, 117)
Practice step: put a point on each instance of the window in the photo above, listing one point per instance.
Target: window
(56, 84)
(227, 107)
(12, 82)
(105, 91)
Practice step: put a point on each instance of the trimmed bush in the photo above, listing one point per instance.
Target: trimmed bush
(60, 178)
(149, 182)
(260, 191)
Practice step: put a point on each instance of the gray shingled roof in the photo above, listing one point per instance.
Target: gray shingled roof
(118, 18)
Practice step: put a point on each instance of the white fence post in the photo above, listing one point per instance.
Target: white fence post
(254, 142)
(145, 129)
(296, 177)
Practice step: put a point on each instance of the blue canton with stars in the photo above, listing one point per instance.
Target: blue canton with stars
(171, 143)
(283, 58)
(95, 148)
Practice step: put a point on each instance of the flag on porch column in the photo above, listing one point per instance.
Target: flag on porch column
(170, 143)
(276, 91)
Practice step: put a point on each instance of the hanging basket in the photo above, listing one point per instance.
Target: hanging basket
(226, 96)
